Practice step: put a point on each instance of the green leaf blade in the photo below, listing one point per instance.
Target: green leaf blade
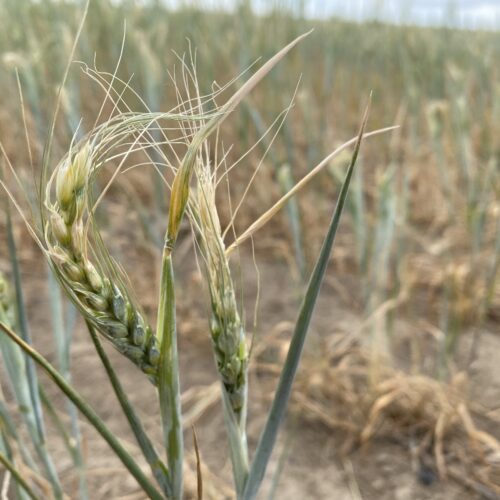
(278, 408)
(168, 378)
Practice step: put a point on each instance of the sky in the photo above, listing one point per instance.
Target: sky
(463, 13)
(459, 13)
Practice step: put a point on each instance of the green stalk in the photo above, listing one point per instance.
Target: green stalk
(59, 425)
(89, 413)
(37, 431)
(22, 322)
(18, 477)
(7, 429)
(63, 337)
(158, 469)
(168, 376)
(286, 182)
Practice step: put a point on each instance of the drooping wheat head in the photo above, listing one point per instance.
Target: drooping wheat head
(89, 275)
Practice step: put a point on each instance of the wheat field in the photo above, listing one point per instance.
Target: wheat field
(246, 255)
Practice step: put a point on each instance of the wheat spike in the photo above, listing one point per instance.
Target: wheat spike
(102, 300)
(226, 328)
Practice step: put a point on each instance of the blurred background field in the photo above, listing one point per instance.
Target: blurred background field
(398, 394)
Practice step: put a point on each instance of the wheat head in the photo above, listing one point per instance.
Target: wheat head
(100, 297)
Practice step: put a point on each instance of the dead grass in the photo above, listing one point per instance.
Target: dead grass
(431, 419)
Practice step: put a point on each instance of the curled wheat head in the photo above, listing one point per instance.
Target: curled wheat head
(92, 281)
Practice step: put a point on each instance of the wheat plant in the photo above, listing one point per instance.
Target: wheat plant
(71, 241)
